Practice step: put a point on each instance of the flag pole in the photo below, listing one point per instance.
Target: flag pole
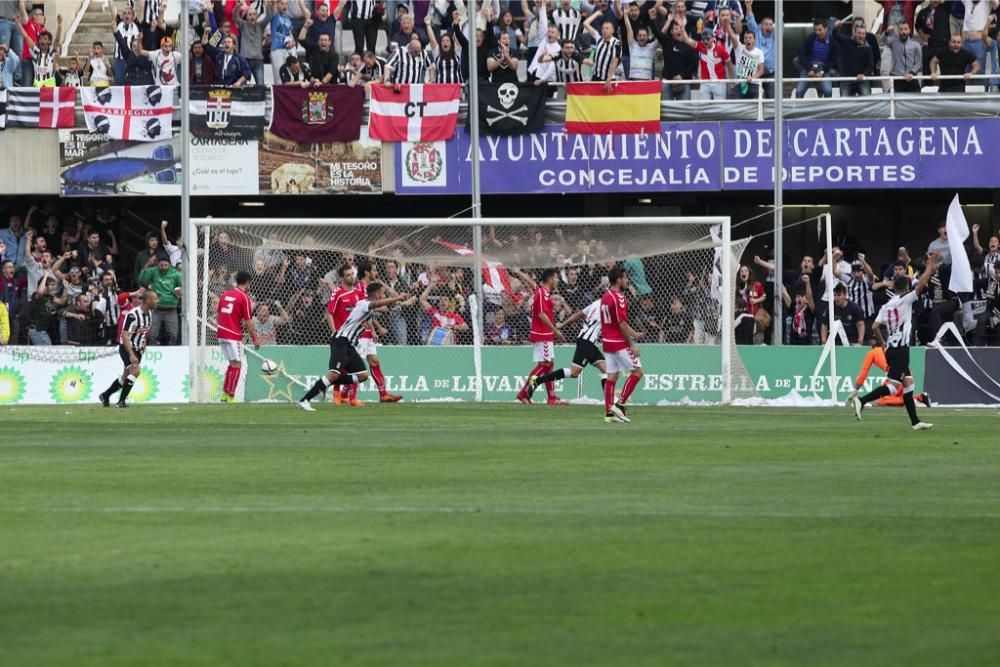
(477, 210)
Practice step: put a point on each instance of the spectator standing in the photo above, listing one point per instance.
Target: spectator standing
(125, 31)
(856, 60)
(932, 28)
(975, 29)
(364, 23)
(322, 59)
(166, 63)
(642, 51)
(15, 241)
(33, 26)
(847, 313)
(953, 61)
(940, 244)
(608, 53)
(680, 61)
(252, 25)
(714, 65)
(749, 67)
(138, 69)
(167, 282)
(407, 30)
(44, 52)
(282, 42)
(231, 69)
(817, 56)
(81, 322)
(765, 40)
(10, 67)
(447, 65)
(907, 57)
(11, 289)
(502, 64)
(41, 312)
(10, 33)
(801, 330)
(860, 288)
(750, 295)
(677, 325)
(566, 19)
(201, 68)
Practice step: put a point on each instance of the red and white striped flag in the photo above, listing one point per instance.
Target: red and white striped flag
(495, 275)
(418, 112)
(131, 113)
(41, 107)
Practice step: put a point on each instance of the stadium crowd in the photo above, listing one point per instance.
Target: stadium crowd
(62, 274)
(301, 42)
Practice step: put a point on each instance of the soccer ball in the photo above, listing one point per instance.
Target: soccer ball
(269, 367)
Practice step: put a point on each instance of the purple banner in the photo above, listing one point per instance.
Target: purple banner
(711, 156)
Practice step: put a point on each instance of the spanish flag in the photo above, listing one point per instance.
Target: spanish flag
(632, 107)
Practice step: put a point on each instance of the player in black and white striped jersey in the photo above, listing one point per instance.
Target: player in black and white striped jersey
(587, 350)
(346, 365)
(135, 331)
(897, 318)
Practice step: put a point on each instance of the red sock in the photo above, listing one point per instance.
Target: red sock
(550, 387)
(630, 383)
(231, 381)
(352, 391)
(378, 378)
(345, 390)
(609, 394)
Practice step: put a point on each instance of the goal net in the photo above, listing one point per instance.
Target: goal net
(461, 338)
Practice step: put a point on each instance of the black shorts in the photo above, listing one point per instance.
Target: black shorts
(898, 359)
(586, 353)
(123, 353)
(344, 358)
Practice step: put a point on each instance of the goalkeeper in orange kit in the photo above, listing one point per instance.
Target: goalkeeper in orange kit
(876, 357)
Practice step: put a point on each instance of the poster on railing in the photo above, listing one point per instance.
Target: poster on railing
(92, 164)
(712, 156)
(290, 167)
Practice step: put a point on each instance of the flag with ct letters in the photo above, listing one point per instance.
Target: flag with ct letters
(131, 113)
(958, 231)
(414, 112)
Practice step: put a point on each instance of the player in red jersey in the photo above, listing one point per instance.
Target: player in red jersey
(366, 344)
(543, 334)
(338, 309)
(234, 311)
(620, 351)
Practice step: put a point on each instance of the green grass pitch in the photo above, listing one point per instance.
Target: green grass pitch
(462, 535)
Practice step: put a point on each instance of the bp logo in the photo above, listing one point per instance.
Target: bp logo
(424, 164)
(11, 385)
(146, 387)
(212, 382)
(71, 385)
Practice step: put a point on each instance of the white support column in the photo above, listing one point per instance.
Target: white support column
(728, 298)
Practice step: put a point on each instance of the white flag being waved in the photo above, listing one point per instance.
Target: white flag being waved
(130, 113)
(958, 232)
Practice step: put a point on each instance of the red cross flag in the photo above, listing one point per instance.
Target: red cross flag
(41, 107)
(495, 276)
(414, 112)
(131, 113)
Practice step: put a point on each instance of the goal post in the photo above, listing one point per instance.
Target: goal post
(446, 342)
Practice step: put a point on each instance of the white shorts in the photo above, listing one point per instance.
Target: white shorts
(545, 352)
(622, 361)
(232, 350)
(365, 347)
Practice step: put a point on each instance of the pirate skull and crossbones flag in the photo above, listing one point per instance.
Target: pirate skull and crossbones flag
(509, 108)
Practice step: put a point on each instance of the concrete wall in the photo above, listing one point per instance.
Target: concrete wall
(29, 162)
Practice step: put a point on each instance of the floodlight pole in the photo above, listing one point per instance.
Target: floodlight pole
(188, 231)
(779, 145)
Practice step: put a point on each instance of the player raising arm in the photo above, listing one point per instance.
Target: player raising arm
(586, 348)
(235, 310)
(346, 365)
(621, 352)
(897, 318)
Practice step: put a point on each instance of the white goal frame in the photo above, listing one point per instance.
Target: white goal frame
(198, 226)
